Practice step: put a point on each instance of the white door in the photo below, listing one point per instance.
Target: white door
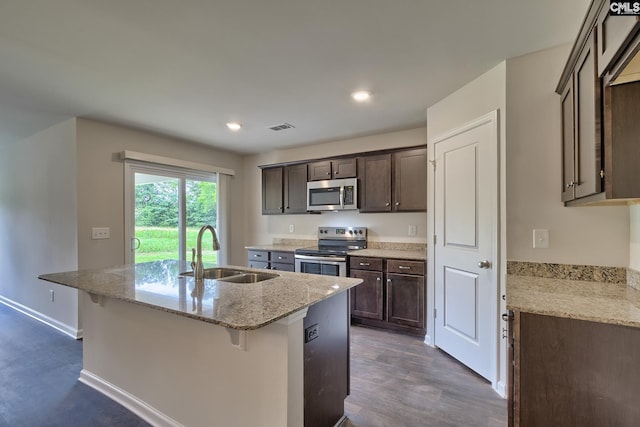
(465, 224)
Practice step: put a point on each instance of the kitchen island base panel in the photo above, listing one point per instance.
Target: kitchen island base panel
(190, 369)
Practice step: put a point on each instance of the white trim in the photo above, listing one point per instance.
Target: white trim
(168, 161)
(294, 317)
(501, 389)
(49, 321)
(129, 401)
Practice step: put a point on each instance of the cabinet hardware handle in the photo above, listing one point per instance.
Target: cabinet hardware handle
(337, 173)
(365, 264)
(397, 203)
(280, 257)
(402, 267)
(328, 173)
(389, 281)
(387, 204)
(257, 256)
(378, 279)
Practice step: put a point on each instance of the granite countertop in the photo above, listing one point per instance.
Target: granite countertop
(243, 306)
(275, 247)
(614, 303)
(391, 254)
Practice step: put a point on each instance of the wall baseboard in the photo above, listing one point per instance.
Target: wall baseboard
(49, 321)
(129, 401)
(501, 389)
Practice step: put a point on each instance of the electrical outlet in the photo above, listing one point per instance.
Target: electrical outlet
(292, 228)
(311, 333)
(100, 233)
(413, 230)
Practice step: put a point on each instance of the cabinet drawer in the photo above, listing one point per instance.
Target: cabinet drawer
(258, 256)
(258, 264)
(282, 257)
(361, 263)
(405, 267)
(282, 267)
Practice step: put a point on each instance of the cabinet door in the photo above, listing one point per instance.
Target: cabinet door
(319, 170)
(272, 183)
(568, 143)
(613, 33)
(588, 122)
(282, 267)
(366, 298)
(295, 189)
(375, 185)
(410, 183)
(405, 299)
(344, 168)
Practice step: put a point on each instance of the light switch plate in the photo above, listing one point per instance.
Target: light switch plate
(540, 238)
(292, 228)
(413, 230)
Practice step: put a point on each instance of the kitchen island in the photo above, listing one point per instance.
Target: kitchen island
(220, 352)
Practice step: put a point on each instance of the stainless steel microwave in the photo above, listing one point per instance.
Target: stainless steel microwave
(332, 195)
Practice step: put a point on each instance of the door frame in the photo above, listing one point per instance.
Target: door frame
(498, 381)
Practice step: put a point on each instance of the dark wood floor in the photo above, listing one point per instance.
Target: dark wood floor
(399, 381)
(396, 381)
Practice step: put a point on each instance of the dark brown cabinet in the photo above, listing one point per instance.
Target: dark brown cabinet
(391, 296)
(600, 90)
(405, 293)
(272, 260)
(284, 189)
(272, 185)
(295, 189)
(614, 32)
(333, 169)
(394, 182)
(375, 183)
(581, 133)
(410, 180)
(367, 297)
(568, 372)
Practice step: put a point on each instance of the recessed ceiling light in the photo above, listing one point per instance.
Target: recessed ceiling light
(234, 126)
(361, 95)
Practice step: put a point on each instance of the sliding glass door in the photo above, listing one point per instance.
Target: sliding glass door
(166, 209)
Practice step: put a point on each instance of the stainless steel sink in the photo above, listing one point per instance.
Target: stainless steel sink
(231, 275)
(249, 277)
(215, 273)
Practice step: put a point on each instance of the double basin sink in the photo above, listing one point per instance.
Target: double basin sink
(232, 275)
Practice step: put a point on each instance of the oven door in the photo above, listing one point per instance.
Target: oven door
(327, 266)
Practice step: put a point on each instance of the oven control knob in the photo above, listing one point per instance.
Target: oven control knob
(350, 231)
(360, 231)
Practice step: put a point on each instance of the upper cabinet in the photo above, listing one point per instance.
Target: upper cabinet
(600, 98)
(581, 132)
(295, 189)
(272, 196)
(388, 181)
(394, 182)
(332, 169)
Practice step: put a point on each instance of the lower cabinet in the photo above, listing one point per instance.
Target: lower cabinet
(568, 372)
(272, 260)
(391, 296)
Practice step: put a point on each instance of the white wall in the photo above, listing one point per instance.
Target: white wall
(38, 224)
(101, 186)
(577, 235)
(476, 99)
(634, 237)
(382, 227)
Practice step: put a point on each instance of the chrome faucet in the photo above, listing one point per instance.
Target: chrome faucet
(198, 267)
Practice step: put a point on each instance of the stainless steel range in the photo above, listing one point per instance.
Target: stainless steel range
(329, 257)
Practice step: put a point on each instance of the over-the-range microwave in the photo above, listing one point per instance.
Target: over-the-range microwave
(332, 195)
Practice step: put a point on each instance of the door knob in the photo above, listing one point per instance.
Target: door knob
(484, 264)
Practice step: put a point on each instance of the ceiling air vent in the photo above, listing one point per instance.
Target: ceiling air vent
(282, 126)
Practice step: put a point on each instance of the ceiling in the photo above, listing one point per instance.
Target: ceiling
(185, 68)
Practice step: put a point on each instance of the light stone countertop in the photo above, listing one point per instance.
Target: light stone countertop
(275, 247)
(391, 254)
(243, 306)
(613, 303)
